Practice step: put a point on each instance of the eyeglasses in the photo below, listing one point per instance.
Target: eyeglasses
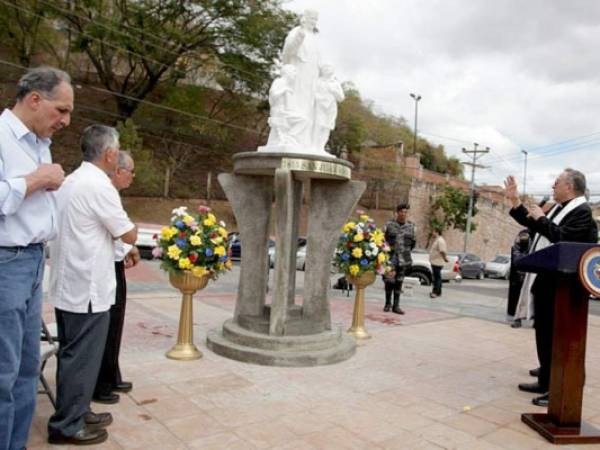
(131, 171)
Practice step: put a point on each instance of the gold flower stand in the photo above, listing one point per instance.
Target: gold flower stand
(188, 284)
(358, 316)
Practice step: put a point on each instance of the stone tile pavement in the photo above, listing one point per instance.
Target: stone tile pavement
(427, 380)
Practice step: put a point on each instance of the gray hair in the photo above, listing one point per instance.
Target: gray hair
(576, 179)
(42, 79)
(124, 156)
(96, 139)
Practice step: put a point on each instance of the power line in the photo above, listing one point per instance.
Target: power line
(143, 32)
(147, 102)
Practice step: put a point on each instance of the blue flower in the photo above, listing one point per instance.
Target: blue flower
(208, 252)
(223, 258)
(179, 224)
(364, 262)
(181, 243)
(345, 256)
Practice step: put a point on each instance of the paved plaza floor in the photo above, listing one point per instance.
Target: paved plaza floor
(433, 378)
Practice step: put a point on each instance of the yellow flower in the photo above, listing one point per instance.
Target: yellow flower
(349, 227)
(209, 222)
(185, 263)
(220, 266)
(381, 258)
(228, 264)
(220, 251)
(358, 237)
(363, 217)
(195, 240)
(377, 237)
(357, 252)
(173, 251)
(188, 220)
(223, 232)
(217, 240)
(354, 269)
(168, 232)
(199, 271)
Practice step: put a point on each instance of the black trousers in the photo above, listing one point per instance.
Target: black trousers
(437, 279)
(81, 338)
(543, 302)
(110, 373)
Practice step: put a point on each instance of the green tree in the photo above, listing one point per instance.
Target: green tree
(449, 210)
(135, 45)
(147, 171)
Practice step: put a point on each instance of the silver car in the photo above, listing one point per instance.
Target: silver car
(499, 267)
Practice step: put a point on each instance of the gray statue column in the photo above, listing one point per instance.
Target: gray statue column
(284, 333)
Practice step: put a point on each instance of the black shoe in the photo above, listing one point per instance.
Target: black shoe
(542, 400)
(107, 399)
(535, 372)
(82, 437)
(397, 310)
(532, 387)
(516, 323)
(387, 308)
(123, 386)
(97, 421)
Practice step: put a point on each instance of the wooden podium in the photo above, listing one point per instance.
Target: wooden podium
(562, 424)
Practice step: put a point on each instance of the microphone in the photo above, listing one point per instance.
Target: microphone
(544, 201)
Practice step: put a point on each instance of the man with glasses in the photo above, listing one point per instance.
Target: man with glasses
(44, 102)
(570, 219)
(126, 256)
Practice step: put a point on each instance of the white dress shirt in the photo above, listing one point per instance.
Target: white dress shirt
(90, 218)
(30, 220)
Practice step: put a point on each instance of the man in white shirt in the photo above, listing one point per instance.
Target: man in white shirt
(82, 283)
(126, 256)
(44, 102)
(437, 257)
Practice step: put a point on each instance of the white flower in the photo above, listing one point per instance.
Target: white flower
(375, 251)
(373, 245)
(181, 211)
(221, 223)
(368, 253)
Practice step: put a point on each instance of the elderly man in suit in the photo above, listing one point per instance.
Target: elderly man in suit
(570, 219)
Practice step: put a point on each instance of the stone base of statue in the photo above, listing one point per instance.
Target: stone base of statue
(285, 333)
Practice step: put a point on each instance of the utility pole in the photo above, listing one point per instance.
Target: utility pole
(416, 99)
(525, 173)
(476, 153)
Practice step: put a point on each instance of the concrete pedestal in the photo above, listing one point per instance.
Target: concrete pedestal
(283, 333)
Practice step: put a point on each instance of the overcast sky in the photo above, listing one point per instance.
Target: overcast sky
(508, 74)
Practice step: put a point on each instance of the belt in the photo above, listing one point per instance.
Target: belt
(20, 247)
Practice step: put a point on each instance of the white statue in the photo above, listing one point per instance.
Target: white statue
(283, 115)
(292, 120)
(327, 95)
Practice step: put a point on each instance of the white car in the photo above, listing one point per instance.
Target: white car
(145, 239)
(499, 267)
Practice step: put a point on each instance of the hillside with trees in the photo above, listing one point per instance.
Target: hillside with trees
(186, 81)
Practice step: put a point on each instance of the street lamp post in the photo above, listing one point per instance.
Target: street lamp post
(416, 99)
(525, 172)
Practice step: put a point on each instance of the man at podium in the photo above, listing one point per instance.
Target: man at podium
(570, 219)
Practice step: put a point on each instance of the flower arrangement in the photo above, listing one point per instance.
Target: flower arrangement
(362, 248)
(194, 243)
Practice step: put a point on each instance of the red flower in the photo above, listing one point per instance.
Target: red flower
(155, 236)
(349, 244)
(193, 257)
(182, 234)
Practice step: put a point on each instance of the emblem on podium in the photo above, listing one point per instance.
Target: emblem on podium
(589, 271)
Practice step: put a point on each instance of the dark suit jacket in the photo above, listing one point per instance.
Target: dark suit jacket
(577, 226)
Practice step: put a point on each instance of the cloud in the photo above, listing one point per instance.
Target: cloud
(507, 74)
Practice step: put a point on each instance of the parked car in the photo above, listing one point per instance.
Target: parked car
(421, 268)
(145, 239)
(499, 267)
(470, 265)
(235, 245)
(301, 245)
